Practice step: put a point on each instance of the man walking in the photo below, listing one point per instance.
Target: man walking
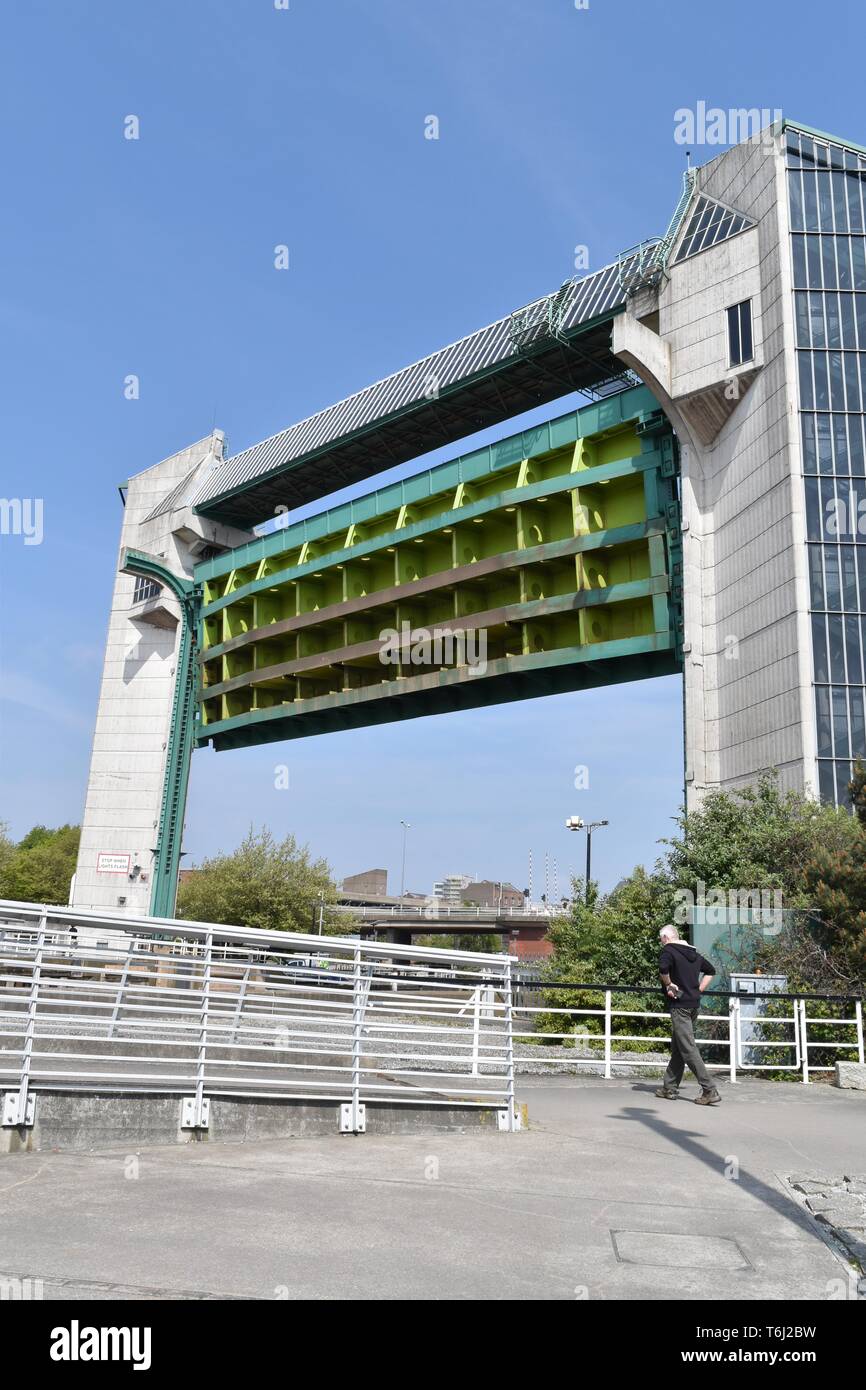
(685, 975)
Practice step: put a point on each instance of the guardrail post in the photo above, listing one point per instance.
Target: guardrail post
(19, 1107)
(242, 994)
(608, 1032)
(733, 1034)
(858, 1019)
(195, 1110)
(124, 976)
(509, 1118)
(476, 1027)
(800, 1009)
(353, 1117)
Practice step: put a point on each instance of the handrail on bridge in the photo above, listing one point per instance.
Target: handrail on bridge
(143, 1005)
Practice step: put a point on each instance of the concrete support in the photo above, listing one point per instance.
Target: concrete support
(748, 703)
(122, 811)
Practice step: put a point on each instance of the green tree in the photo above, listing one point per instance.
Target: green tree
(759, 837)
(35, 836)
(836, 881)
(489, 943)
(612, 940)
(754, 839)
(265, 883)
(7, 849)
(39, 868)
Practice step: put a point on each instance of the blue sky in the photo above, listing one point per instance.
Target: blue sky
(155, 257)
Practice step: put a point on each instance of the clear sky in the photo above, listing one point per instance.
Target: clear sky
(305, 126)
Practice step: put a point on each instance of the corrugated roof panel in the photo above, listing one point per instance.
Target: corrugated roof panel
(594, 295)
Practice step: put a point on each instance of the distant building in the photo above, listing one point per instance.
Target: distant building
(370, 881)
(490, 894)
(529, 943)
(450, 889)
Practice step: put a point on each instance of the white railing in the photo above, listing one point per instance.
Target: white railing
(606, 1044)
(145, 1005)
(432, 912)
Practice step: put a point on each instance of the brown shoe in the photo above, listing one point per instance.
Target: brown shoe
(708, 1098)
(665, 1093)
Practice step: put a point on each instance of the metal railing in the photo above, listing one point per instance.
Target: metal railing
(432, 912)
(603, 1040)
(145, 1005)
(645, 264)
(95, 1004)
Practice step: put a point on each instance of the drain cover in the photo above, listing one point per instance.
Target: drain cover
(676, 1251)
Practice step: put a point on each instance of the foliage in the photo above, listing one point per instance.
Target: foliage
(835, 877)
(265, 883)
(759, 837)
(39, 868)
(489, 943)
(611, 940)
(811, 955)
(7, 848)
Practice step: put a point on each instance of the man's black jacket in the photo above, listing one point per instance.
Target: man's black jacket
(685, 966)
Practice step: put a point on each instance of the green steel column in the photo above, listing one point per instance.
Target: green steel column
(166, 863)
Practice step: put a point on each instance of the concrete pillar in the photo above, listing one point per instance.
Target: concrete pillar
(127, 766)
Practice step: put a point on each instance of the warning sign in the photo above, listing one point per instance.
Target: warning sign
(112, 863)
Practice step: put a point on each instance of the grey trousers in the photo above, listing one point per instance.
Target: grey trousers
(684, 1051)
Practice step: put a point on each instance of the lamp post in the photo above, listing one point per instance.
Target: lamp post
(575, 823)
(406, 827)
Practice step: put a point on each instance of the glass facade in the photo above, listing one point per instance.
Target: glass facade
(827, 188)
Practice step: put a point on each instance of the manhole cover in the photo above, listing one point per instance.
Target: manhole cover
(677, 1252)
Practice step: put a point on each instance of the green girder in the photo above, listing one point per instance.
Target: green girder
(167, 854)
(562, 543)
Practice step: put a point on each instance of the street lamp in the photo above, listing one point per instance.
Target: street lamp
(406, 827)
(575, 823)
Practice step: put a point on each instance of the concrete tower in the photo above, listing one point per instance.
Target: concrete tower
(127, 782)
(754, 342)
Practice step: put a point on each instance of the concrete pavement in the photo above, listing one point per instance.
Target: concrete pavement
(610, 1193)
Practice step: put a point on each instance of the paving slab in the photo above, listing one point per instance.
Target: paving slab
(609, 1193)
